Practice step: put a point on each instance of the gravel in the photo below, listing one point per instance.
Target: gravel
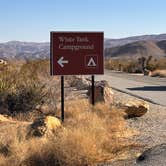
(152, 127)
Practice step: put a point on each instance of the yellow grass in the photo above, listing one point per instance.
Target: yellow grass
(88, 136)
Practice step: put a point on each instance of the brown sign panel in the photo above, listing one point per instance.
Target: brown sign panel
(77, 53)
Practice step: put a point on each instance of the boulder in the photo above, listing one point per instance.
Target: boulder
(44, 125)
(52, 123)
(155, 156)
(135, 108)
(80, 82)
(103, 93)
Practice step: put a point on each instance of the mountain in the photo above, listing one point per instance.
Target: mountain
(119, 42)
(131, 46)
(24, 50)
(138, 49)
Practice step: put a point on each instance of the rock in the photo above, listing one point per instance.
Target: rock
(80, 82)
(3, 118)
(52, 123)
(103, 92)
(155, 156)
(42, 126)
(135, 108)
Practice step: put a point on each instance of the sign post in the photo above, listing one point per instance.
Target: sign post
(93, 90)
(62, 98)
(76, 53)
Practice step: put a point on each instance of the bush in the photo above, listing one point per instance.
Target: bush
(130, 66)
(26, 98)
(20, 87)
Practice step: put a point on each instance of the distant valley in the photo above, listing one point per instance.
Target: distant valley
(131, 47)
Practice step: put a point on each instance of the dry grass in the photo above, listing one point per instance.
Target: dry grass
(89, 135)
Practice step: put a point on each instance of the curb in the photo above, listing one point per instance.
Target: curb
(137, 96)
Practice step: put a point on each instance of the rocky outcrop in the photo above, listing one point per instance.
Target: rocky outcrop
(43, 126)
(103, 92)
(135, 108)
(80, 82)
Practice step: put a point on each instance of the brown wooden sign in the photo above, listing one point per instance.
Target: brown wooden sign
(77, 53)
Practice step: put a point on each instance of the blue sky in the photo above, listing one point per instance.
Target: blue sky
(32, 20)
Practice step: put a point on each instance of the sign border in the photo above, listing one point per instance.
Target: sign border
(52, 57)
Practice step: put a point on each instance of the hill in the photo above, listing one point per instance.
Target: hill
(123, 41)
(138, 49)
(131, 46)
(24, 50)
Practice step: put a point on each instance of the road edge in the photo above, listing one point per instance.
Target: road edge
(137, 96)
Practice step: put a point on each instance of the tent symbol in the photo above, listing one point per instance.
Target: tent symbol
(91, 63)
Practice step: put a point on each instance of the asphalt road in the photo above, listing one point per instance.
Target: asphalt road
(152, 89)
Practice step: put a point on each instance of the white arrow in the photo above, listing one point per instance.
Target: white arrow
(61, 62)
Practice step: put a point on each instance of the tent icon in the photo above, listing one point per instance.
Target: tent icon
(91, 63)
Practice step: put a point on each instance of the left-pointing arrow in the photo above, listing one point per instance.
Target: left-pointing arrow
(61, 62)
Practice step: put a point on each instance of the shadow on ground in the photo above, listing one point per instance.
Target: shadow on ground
(148, 88)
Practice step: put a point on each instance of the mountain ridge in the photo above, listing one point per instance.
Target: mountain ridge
(156, 49)
(34, 50)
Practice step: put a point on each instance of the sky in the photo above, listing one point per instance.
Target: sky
(32, 20)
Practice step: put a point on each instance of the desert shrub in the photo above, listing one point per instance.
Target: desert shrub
(35, 69)
(161, 63)
(20, 88)
(152, 66)
(25, 98)
(8, 82)
(134, 66)
(130, 66)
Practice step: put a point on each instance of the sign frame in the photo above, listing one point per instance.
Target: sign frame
(62, 59)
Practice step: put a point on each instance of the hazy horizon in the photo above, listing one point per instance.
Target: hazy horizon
(104, 38)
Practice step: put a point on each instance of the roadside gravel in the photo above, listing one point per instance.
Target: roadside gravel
(152, 126)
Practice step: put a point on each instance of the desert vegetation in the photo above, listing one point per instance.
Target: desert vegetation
(136, 65)
(89, 135)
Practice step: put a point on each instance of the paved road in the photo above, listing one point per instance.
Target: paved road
(152, 89)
